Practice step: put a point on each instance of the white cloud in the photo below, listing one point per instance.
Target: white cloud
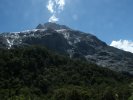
(55, 7)
(50, 6)
(126, 45)
(61, 4)
(53, 18)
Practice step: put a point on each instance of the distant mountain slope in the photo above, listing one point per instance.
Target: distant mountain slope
(73, 43)
(34, 73)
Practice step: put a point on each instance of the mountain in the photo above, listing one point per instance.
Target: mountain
(73, 43)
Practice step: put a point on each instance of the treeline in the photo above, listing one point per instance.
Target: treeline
(34, 73)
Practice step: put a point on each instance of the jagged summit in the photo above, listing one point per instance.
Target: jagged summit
(52, 26)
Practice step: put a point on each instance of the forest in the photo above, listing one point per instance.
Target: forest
(36, 73)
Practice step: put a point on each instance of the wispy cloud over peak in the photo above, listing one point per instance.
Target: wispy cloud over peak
(61, 4)
(50, 6)
(53, 18)
(55, 7)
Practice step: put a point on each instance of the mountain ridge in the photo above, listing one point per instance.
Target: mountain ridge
(51, 25)
(73, 43)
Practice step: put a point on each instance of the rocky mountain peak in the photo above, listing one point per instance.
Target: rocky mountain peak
(50, 25)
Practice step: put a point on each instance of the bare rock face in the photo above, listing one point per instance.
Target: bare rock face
(73, 43)
(51, 26)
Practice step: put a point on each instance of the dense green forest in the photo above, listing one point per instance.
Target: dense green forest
(35, 73)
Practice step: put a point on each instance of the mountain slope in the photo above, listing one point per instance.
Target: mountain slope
(34, 73)
(73, 43)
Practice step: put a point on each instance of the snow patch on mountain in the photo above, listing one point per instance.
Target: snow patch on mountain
(10, 43)
(65, 34)
(77, 40)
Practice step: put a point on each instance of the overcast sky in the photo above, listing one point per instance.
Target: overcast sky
(109, 20)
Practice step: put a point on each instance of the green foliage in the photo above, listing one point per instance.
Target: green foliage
(72, 93)
(34, 73)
